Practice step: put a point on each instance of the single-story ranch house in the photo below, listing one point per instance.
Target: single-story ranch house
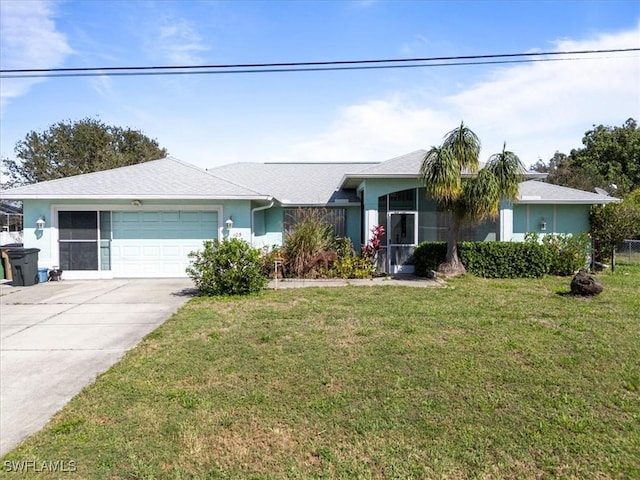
(143, 220)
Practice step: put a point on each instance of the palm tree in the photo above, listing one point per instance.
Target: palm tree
(471, 199)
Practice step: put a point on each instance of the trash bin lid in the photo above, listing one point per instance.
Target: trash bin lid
(21, 252)
(12, 245)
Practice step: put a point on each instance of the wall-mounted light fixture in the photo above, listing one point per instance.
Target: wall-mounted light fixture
(543, 224)
(40, 223)
(229, 223)
(136, 203)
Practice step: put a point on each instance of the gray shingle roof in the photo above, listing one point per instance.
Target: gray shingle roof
(289, 183)
(164, 178)
(534, 191)
(403, 166)
(294, 183)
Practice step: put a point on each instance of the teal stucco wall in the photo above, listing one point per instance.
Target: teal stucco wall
(566, 219)
(46, 239)
(269, 226)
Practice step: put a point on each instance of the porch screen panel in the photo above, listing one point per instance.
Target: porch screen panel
(78, 256)
(78, 240)
(404, 200)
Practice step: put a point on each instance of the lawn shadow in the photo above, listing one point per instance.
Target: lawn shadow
(564, 293)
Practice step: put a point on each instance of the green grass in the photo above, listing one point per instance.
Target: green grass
(481, 379)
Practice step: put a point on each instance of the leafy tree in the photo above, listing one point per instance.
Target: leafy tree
(562, 172)
(613, 223)
(610, 156)
(71, 148)
(471, 199)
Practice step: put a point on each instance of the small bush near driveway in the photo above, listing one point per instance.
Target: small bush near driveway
(227, 267)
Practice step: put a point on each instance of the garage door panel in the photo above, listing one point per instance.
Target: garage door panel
(157, 244)
(150, 216)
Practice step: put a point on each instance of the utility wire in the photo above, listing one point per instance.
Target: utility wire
(279, 70)
(308, 66)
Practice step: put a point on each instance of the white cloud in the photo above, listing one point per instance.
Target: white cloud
(417, 43)
(29, 40)
(547, 106)
(536, 108)
(177, 41)
(373, 131)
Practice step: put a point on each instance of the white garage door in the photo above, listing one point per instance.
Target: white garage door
(157, 244)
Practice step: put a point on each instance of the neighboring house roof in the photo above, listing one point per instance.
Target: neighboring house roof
(7, 208)
(294, 183)
(534, 191)
(157, 179)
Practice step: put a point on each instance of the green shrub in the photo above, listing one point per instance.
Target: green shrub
(227, 267)
(569, 253)
(427, 256)
(504, 259)
(349, 264)
(487, 259)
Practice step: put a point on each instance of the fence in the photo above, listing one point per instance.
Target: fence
(628, 252)
(10, 237)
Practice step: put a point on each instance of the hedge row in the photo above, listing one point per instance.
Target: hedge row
(528, 259)
(505, 259)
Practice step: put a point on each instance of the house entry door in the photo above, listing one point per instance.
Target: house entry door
(402, 238)
(78, 240)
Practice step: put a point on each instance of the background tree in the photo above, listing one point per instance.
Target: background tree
(72, 148)
(610, 156)
(613, 223)
(562, 172)
(471, 199)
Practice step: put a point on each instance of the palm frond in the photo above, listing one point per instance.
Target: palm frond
(465, 147)
(440, 173)
(481, 197)
(508, 171)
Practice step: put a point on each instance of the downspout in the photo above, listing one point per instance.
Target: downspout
(253, 211)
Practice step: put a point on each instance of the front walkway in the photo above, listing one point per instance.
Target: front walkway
(396, 280)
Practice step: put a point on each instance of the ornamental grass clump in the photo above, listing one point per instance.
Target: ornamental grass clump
(309, 247)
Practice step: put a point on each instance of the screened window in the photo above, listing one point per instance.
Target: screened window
(336, 217)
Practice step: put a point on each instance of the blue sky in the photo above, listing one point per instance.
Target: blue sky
(372, 115)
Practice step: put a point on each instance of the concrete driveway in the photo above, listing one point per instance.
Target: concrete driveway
(56, 337)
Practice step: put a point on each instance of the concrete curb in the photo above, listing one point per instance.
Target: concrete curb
(399, 280)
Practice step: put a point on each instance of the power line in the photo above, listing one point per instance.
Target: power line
(279, 70)
(309, 66)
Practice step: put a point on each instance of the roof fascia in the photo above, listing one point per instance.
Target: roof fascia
(327, 204)
(567, 202)
(136, 196)
(360, 177)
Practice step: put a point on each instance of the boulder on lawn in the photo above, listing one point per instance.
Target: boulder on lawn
(585, 284)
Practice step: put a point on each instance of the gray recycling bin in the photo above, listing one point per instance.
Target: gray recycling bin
(24, 266)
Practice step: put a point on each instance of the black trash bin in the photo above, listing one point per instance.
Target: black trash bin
(24, 266)
(5, 259)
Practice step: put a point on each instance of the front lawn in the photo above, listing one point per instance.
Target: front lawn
(481, 379)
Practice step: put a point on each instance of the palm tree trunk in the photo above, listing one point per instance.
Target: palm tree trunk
(452, 265)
